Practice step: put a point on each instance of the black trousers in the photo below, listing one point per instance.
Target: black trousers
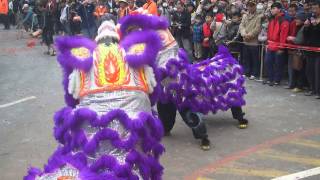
(313, 72)
(206, 53)
(5, 20)
(167, 115)
(251, 60)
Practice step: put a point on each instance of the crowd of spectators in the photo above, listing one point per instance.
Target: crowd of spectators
(259, 33)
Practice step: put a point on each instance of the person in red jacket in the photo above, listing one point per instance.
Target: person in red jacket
(207, 35)
(4, 9)
(278, 30)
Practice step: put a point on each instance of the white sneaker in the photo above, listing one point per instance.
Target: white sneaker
(252, 77)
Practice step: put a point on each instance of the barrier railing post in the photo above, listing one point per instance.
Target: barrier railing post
(261, 62)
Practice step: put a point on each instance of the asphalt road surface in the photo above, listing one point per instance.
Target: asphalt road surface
(283, 136)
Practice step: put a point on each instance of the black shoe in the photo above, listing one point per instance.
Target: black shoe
(205, 144)
(270, 83)
(318, 97)
(309, 93)
(277, 83)
(243, 124)
(267, 82)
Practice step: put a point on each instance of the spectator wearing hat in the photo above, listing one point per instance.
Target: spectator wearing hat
(27, 17)
(249, 29)
(123, 8)
(312, 36)
(278, 30)
(151, 7)
(4, 10)
(295, 58)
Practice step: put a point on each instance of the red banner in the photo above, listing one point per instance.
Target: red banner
(294, 46)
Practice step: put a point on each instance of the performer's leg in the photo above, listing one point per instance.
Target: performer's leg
(167, 115)
(199, 130)
(238, 114)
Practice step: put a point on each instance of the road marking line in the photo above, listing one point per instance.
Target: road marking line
(300, 175)
(204, 178)
(289, 157)
(17, 102)
(268, 173)
(212, 167)
(307, 143)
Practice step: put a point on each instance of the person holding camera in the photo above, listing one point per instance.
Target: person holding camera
(312, 35)
(182, 22)
(88, 25)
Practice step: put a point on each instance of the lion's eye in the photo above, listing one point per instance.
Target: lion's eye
(81, 52)
(137, 48)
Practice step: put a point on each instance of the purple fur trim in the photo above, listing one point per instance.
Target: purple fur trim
(69, 100)
(32, 174)
(152, 46)
(64, 45)
(68, 131)
(68, 62)
(145, 22)
(211, 85)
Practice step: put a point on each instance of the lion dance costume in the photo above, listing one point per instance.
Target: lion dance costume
(108, 129)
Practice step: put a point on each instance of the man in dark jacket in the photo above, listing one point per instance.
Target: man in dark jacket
(278, 29)
(88, 26)
(182, 21)
(312, 35)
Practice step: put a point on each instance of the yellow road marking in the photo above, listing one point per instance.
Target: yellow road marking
(307, 143)
(289, 157)
(269, 173)
(203, 178)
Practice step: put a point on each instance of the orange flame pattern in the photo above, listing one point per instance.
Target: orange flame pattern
(110, 73)
(110, 68)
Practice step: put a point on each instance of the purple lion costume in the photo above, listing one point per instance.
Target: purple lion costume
(193, 89)
(108, 129)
